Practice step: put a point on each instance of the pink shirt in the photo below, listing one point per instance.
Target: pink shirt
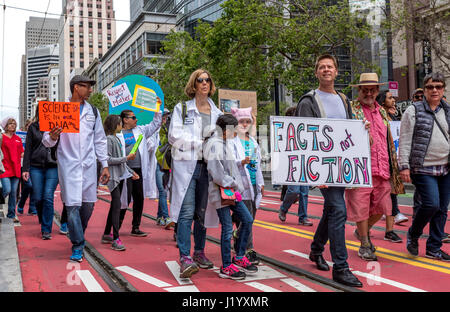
(379, 149)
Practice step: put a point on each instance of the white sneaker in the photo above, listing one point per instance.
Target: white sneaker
(400, 218)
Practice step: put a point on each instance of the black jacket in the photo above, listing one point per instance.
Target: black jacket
(36, 154)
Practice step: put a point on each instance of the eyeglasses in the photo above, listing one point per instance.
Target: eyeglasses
(200, 80)
(431, 87)
(367, 91)
(132, 117)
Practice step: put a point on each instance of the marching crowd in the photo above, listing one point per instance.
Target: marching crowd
(207, 164)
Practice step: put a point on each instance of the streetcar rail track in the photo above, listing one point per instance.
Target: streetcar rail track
(318, 279)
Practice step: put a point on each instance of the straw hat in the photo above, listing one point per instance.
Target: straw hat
(368, 79)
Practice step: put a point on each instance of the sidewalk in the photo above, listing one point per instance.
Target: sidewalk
(10, 273)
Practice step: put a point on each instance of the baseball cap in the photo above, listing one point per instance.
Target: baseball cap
(80, 79)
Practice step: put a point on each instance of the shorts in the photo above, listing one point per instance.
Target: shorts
(362, 203)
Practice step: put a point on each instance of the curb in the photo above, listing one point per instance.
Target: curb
(10, 273)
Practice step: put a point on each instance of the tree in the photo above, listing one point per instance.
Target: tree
(100, 101)
(256, 41)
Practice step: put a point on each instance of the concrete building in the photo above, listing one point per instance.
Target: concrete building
(53, 83)
(38, 61)
(87, 33)
(92, 73)
(424, 50)
(132, 51)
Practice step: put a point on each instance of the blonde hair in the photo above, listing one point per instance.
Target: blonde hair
(189, 90)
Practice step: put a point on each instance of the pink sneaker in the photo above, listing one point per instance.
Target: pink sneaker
(232, 272)
(245, 265)
(118, 245)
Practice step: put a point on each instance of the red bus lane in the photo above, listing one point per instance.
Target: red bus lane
(151, 264)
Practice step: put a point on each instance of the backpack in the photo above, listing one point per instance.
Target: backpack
(164, 152)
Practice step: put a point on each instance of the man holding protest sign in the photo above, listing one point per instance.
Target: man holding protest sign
(366, 206)
(76, 157)
(325, 102)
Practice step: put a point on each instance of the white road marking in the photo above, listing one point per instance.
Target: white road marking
(89, 281)
(264, 272)
(388, 281)
(297, 285)
(189, 288)
(302, 255)
(142, 276)
(262, 287)
(174, 268)
(366, 275)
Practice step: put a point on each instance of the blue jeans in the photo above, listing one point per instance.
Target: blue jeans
(332, 227)
(194, 203)
(291, 195)
(434, 192)
(163, 211)
(227, 228)
(9, 187)
(27, 191)
(77, 221)
(45, 181)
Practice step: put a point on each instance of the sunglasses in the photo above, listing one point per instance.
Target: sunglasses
(431, 87)
(418, 97)
(200, 80)
(132, 117)
(84, 85)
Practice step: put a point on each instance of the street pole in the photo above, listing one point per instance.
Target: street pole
(389, 42)
(277, 97)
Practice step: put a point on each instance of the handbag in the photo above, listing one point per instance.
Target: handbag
(227, 196)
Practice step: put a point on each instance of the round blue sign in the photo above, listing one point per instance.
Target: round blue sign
(138, 93)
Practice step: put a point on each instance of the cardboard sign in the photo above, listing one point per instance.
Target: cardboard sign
(119, 95)
(59, 114)
(316, 151)
(146, 98)
(237, 99)
(395, 131)
(23, 136)
(393, 88)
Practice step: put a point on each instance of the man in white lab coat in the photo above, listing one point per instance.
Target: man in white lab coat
(76, 156)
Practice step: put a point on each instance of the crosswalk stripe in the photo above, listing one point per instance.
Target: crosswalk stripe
(142, 276)
(297, 285)
(189, 288)
(174, 268)
(89, 281)
(262, 287)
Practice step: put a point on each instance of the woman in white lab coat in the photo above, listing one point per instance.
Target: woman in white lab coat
(146, 186)
(189, 188)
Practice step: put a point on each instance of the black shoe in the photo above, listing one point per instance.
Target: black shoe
(252, 257)
(305, 222)
(321, 264)
(412, 245)
(439, 255)
(282, 215)
(46, 236)
(139, 233)
(345, 277)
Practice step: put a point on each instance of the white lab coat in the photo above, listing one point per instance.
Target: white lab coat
(77, 156)
(147, 131)
(152, 144)
(186, 141)
(239, 154)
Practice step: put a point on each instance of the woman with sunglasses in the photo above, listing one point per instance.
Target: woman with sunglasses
(424, 153)
(12, 150)
(145, 187)
(189, 189)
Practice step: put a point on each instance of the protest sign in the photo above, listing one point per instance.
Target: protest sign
(119, 95)
(316, 151)
(59, 114)
(395, 131)
(138, 93)
(23, 136)
(237, 99)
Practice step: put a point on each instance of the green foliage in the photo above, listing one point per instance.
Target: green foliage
(256, 41)
(100, 101)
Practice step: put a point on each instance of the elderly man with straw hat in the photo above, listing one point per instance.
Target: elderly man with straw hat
(365, 206)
